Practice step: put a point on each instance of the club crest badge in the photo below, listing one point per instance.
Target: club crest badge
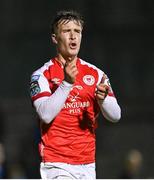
(89, 80)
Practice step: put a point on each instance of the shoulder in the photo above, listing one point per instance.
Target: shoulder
(92, 70)
(43, 68)
(89, 65)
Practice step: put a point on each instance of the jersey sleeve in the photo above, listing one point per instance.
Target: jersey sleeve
(39, 86)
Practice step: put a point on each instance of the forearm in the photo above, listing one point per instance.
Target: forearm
(110, 109)
(48, 107)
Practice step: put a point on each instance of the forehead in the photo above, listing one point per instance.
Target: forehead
(69, 24)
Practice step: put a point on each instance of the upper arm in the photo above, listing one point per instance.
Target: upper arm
(39, 86)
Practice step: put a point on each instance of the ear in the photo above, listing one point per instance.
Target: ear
(54, 38)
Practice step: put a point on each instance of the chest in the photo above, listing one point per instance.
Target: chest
(84, 86)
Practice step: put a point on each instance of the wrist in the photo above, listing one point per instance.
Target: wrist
(67, 84)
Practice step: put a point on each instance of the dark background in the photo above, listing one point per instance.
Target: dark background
(118, 38)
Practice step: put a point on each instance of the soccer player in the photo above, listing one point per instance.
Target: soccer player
(68, 93)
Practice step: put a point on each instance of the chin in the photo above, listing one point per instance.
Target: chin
(74, 53)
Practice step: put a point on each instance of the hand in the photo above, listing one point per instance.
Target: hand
(70, 72)
(102, 91)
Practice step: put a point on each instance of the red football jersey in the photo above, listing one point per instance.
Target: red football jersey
(70, 137)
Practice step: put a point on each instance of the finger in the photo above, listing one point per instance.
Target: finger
(100, 97)
(71, 68)
(74, 71)
(67, 63)
(103, 78)
(102, 89)
(102, 85)
(101, 93)
(70, 63)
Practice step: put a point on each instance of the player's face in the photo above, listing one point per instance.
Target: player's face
(68, 38)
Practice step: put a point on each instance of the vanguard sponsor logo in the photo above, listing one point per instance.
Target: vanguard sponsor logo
(75, 107)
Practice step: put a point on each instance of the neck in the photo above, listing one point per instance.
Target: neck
(63, 59)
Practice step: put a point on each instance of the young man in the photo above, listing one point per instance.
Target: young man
(68, 94)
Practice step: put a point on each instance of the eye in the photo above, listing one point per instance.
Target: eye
(78, 31)
(66, 30)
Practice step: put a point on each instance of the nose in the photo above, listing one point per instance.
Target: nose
(72, 35)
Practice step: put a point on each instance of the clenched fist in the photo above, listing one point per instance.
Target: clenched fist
(70, 72)
(102, 91)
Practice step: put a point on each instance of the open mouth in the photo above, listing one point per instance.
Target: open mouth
(73, 45)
